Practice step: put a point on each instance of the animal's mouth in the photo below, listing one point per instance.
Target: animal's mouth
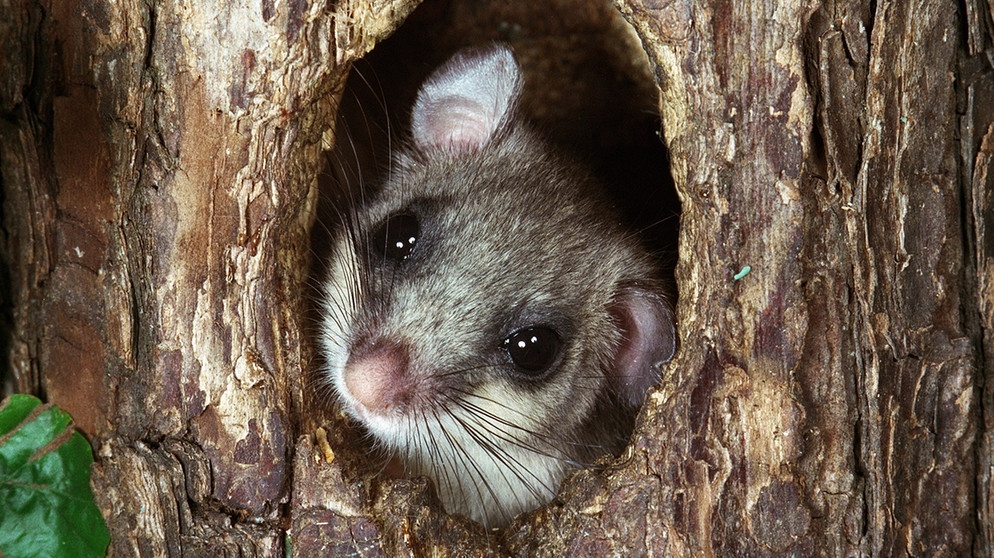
(387, 421)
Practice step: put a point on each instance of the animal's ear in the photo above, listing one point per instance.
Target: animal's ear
(648, 339)
(468, 102)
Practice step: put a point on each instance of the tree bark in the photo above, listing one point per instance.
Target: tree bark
(160, 164)
(831, 394)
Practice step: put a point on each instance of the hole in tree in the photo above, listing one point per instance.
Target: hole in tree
(588, 90)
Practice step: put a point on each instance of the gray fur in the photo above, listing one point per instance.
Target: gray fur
(512, 235)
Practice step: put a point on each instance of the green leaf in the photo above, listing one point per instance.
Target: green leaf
(46, 504)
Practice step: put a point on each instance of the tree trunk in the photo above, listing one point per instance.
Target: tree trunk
(835, 164)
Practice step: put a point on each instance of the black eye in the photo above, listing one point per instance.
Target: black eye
(533, 349)
(397, 235)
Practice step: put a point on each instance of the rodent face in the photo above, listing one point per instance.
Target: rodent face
(482, 273)
(478, 318)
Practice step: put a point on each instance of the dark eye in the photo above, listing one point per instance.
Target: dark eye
(397, 236)
(533, 349)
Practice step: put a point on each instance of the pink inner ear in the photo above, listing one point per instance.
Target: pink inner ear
(454, 124)
(466, 103)
(648, 339)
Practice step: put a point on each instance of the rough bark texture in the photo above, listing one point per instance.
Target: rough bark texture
(159, 162)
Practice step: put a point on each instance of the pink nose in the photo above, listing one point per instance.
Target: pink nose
(376, 374)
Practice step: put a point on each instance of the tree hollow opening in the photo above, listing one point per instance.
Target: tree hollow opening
(588, 91)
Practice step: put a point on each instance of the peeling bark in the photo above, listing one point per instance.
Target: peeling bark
(160, 165)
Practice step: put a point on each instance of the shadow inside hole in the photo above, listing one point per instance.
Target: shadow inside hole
(588, 89)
